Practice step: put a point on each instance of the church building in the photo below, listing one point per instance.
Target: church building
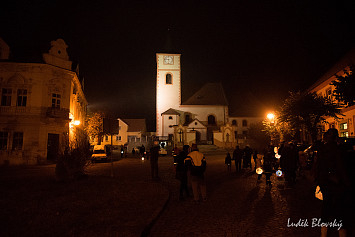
(203, 118)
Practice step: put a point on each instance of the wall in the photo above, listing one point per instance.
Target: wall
(168, 95)
(201, 112)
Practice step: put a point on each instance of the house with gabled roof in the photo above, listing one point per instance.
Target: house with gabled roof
(129, 131)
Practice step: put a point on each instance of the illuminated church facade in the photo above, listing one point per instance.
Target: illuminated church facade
(202, 119)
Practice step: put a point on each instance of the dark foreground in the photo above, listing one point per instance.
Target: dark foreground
(130, 204)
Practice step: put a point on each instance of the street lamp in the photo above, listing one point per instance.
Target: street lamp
(270, 116)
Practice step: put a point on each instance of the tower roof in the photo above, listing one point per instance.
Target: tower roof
(171, 112)
(209, 94)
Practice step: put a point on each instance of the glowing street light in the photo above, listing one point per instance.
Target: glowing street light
(270, 116)
(77, 122)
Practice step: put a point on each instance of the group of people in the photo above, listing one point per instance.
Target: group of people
(242, 158)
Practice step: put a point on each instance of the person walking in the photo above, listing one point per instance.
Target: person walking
(181, 171)
(196, 164)
(255, 158)
(228, 162)
(268, 164)
(238, 156)
(333, 181)
(154, 155)
(142, 150)
(247, 157)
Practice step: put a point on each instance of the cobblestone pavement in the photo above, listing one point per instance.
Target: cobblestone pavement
(237, 205)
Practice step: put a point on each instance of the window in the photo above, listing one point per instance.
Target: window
(343, 126)
(21, 97)
(211, 120)
(17, 141)
(118, 138)
(245, 123)
(187, 118)
(234, 122)
(245, 133)
(170, 117)
(106, 138)
(235, 134)
(195, 123)
(168, 79)
(56, 100)
(6, 97)
(344, 134)
(3, 140)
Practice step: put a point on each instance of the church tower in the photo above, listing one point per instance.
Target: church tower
(168, 86)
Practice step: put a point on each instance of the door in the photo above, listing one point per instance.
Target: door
(52, 146)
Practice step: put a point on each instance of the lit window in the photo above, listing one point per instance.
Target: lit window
(56, 100)
(6, 97)
(245, 123)
(343, 126)
(344, 134)
(17, 141)
(3, 140)
(170, 117)
(168, 79)
(21, 97)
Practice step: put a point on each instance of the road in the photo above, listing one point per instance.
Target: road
(237, 205)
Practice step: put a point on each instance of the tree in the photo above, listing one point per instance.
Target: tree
(344, 90)
(258, 135)
(95, 125)
(307, 111)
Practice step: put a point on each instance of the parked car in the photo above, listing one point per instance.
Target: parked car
(100, 153)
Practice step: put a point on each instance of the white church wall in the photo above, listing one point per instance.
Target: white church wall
(168, 95)
(167, 124)
(197, 126)
(201, 112)
(218, 139)
(190, 138)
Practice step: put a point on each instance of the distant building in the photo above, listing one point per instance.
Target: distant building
(131, 132)
(203, 118)
(42, 107)
(345, 125)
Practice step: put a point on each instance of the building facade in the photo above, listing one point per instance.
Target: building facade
(345, 124)
(43, 107)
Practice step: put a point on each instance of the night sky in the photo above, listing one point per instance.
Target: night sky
(258, 50)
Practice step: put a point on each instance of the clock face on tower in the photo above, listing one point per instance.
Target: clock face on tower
(168, 60)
